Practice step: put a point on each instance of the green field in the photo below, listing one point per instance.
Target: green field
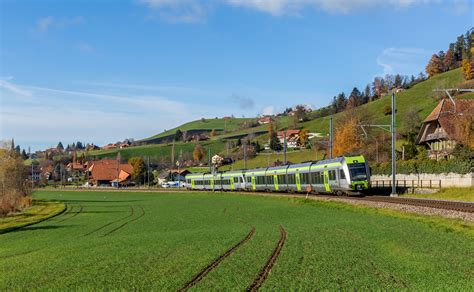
(144, 241)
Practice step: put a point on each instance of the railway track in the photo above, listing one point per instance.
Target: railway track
(438, 204)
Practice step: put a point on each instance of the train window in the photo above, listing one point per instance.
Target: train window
(291, 179)
(282, 179)
(304, 178)
(260, 180)
(249, 179)
(236, 179)
(341, 174)
(270, 180)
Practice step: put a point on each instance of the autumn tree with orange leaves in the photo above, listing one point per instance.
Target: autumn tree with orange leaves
(346, 139)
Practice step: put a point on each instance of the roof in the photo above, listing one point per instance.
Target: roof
(450, 117)
(289, 132)
(180, 171)
(107, 170)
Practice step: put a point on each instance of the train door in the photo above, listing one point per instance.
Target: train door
(298, 182)
(326, 181)
(254, 185)
(275, 182)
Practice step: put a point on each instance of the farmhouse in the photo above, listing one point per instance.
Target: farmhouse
(445, 126)
(292, 138)
(265, 120)
(109, 172)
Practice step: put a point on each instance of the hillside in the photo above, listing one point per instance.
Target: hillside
(420, 97)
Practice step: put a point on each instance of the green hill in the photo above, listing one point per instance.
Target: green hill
(420, 97)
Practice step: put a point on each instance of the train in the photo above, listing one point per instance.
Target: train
(346, 175)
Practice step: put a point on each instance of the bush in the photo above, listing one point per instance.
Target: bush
(425, 166)
(387, 110)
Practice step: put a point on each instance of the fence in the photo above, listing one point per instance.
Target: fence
(408, 183)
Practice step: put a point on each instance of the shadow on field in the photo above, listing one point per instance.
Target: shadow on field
(99, 212)
(97, 201)
(49, 227)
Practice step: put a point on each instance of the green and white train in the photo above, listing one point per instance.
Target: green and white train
(340, 176)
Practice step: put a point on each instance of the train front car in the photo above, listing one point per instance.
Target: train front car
(359, 174)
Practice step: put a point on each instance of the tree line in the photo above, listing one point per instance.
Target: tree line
(459, 54)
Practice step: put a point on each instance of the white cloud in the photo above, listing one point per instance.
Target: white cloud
(405, 61)
(268, 111)
(41, 116)
(178, 11)
(44, 23)
(288, 7)
(13, 88)
(197, 10)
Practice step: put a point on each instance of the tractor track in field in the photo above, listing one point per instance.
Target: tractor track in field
(125, 223)
(81, 208)
(262, 276)
(199, 276)
(112, 222)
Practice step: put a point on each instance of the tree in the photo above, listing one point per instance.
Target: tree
(355, 99)
(24, 156)
(13, 190)
(339, 103)
(60, 147)
(435, 66)
(411, 123)
(466, 69)
(346, 138)
(178, 136)
(304, 137)
(79, 145)
(213, 133)
(139, 170)
(275, 144)
(441, 56)
(449, 61)
(198, 153)
(367, 94)
(300, 113)
(398, 81)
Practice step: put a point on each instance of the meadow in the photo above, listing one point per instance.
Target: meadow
(127, 240)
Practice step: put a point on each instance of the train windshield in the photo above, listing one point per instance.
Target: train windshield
(358, 171)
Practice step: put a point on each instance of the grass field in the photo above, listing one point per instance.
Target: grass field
(40, 210)
(458, 194)
(137, 241)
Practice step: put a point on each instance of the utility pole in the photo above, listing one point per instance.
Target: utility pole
(330, 136)
(148, 171)
(394, 140)
(209, 158)
(284, 146)
(245, 155)
(172, 155)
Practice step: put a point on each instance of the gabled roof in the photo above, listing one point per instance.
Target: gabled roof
(449, 117)
(108, 169)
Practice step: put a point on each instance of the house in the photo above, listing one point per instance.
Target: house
(200, 137)
(110, 146)
(442, 129)
(265, 120)
(109, 172)
(177, 174)
(292, 138)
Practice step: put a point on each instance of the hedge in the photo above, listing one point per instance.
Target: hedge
(424, 166)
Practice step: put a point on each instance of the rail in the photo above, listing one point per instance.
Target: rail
(408, 183)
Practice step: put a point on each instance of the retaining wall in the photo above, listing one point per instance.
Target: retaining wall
(447, 180)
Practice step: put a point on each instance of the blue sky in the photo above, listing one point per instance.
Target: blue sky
(102, 71)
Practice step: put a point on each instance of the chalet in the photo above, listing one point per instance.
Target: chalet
(109, 172)
(292, 138)
(442, 129)
(265, 120)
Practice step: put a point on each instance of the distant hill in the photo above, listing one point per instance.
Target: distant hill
(421, 97)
